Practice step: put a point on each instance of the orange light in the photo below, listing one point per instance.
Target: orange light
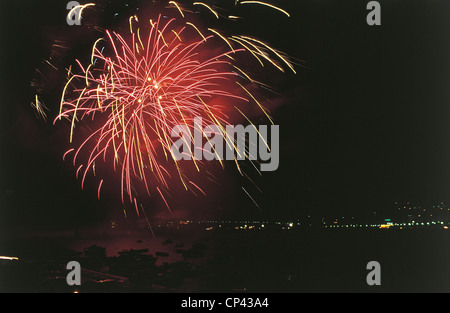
(8, 257)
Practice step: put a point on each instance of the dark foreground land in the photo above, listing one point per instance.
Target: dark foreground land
(233, 261)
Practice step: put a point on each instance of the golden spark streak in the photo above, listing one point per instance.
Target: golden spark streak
(81, 7)
(273, 50)
(267, 145)
(261, 53)
(62, 98)
(250, 197)
(75, 114)
(176, 4)
(248, 49)
(266, 4)
(190, 133)
(93, 49)
(129, 20)
(189, 23)
(205, 5)
(87, 72)
(224, 39)
(139, 37)
(257, 102)
(177, 35)
(243, 73)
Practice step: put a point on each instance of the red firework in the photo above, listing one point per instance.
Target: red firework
(141, 88)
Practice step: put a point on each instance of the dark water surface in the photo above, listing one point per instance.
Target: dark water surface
(232, 261)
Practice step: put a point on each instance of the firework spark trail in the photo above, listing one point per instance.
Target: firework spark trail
(142, 89)
(39, 108)
(266, 4)
(79, 10)
(208, 7)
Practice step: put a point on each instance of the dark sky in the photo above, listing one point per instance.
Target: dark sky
(374, 109)
(365, 123)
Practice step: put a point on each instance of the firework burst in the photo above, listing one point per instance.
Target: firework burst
(138, 87)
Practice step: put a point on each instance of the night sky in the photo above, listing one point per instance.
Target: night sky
(364, 123)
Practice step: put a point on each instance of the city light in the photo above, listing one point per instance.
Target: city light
(2, 257)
